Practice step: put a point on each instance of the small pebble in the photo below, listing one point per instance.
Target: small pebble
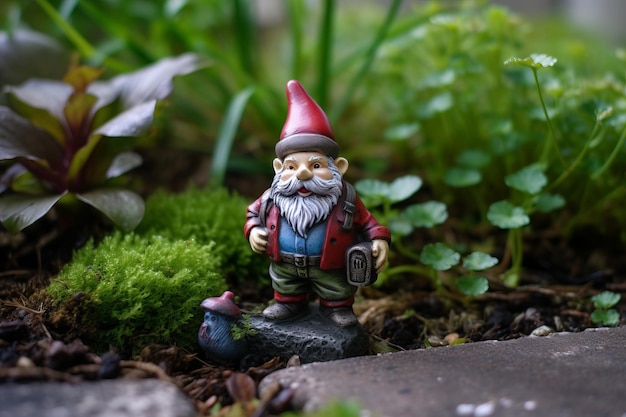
(465, 409)
(558, 324)
(530, 313)
(451, 338)
(485, 409)
(505, 402)
(24, 362)
(541, 331)
(530, 405)
(436, 341)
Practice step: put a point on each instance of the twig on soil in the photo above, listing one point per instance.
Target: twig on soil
(22, 306)
(147, 367)
(16, 272)
(35, 373)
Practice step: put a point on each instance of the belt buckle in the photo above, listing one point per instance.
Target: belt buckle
(299, 260)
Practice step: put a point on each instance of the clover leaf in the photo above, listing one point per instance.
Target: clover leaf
(438, 104)
(462, 177)
(428, 214)
(478, 261)
(400, 226)
(473, 158)
(401, 132)
(534, 61)
(471, 285)
(605, 299)
(439, 256)
(546, 202)
(375, 192)
(404, 187)
(530, 179)
(608, 317)
(505, 215)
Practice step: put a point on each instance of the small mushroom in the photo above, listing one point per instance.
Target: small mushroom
(215, 336)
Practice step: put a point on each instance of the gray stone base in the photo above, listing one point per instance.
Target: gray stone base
(311, 336)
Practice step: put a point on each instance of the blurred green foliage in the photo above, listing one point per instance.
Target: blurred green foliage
(411, 88)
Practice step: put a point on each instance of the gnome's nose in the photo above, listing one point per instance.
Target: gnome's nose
(304, 174)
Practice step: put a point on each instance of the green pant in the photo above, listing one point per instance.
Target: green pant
(330, 285)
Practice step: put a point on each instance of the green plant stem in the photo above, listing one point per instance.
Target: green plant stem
(127, 37)
(611, 157)
(546, 149)
(436, 280)
(577, 161)
(296, 10)
(81, 43)
(586, 209)
(404, 251)
(325, 52)
(243, 32)
(515, 244)
(367, 63)
(407, 269)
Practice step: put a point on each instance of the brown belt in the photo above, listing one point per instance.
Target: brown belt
(300, 261)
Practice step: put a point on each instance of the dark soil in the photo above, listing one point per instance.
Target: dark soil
(37, 344)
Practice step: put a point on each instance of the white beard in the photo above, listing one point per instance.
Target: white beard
(302, 213)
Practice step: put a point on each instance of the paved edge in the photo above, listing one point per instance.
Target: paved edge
(562, 374)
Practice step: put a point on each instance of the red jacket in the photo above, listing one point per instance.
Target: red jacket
(337, 240)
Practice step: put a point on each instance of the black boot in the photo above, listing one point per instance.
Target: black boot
(283, 311)
(341, 316)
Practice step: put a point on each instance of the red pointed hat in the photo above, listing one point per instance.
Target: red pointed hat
(307, 128)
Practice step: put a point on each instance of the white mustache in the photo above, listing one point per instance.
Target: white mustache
(314, 185)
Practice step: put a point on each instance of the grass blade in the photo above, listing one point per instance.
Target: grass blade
(367, 63)
(226, 135)
(243, 32)
(79, 42)
(296, 10)
(325, 53)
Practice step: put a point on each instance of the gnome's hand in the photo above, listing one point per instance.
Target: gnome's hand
(258, 239)
(380, 250)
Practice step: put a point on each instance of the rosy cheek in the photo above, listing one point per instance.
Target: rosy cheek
(286, 175)
(324, 174)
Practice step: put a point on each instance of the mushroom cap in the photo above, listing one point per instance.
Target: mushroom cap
(224, 304)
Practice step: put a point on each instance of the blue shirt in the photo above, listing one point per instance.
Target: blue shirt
(291, 242)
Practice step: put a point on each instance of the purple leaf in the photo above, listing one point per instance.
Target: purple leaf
(123, 163)
(19, 211)
(132, 122)
(20, 139)
(124, 207)
(154, 82)
(25, 54)
(43, 94)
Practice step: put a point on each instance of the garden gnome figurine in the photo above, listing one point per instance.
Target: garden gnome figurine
(215, 336)
(310, 219)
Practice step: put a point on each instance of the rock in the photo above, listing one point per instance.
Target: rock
(110, 398)
(542, 331)
(313, 337)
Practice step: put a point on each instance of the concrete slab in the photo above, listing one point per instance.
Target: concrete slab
(563, 374)
(108, 398)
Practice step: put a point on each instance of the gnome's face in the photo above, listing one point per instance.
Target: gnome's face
(306, 187)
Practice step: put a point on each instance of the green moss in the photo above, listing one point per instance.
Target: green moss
(146, 286)
(206, 216)
(143, 289)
